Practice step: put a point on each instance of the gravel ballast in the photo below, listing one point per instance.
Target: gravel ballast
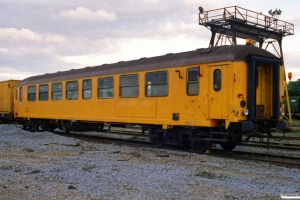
(43, 165)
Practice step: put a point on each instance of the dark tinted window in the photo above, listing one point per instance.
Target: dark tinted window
(56, 91)
(192, 82)
(43, 92)
(21, 94)
(87, 89)
(31, 93)
(217, 80)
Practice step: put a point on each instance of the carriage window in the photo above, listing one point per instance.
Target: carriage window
(31, 93)
(16, 94)
(192, 82)
(21, 94)
(217, 80)
(87, 89)
(106, 87)
(72, 90)
(129, 86)
(43, 92)
(156, 84)
(56, 91)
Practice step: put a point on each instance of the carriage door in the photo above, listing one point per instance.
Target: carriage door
(263, 92)
(217, 96)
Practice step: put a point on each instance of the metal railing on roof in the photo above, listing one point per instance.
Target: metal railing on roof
(224, 16)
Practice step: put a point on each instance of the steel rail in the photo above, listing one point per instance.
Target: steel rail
(272, 145)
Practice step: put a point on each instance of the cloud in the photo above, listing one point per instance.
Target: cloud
(4, 51)
(13, 74)
(86, 14)
(134, 48)
(26, 35)
(19, 35)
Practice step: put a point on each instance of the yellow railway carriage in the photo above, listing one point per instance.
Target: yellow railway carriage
(7, 100)
(192, 98)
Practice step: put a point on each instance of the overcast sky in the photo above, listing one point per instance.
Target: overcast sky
(45, 36)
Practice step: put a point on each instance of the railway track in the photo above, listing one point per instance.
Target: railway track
(291, 161)
(287, 137)
(260, 157)
(274, 145)
(136, 133)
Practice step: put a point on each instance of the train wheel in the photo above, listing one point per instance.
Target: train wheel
(201, 146)
(157, 136)
(159, 142)
(228, 146)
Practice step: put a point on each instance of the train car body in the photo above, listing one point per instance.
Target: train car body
(294, 106)
(7, 100)
(193, 98)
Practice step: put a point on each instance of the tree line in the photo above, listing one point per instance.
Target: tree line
(294, 88)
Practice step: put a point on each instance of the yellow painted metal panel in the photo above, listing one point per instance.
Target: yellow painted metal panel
(6, 95)
(219, 99)
(204, 109)
(136, 107)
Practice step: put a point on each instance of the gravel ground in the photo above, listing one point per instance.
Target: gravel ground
(43, 165)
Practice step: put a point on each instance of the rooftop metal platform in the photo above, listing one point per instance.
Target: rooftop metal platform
(242, 23)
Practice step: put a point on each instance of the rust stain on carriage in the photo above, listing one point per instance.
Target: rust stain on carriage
(235, 112)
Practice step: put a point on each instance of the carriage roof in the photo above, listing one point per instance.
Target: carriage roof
(196, 57)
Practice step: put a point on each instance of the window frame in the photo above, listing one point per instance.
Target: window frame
(106, 88)
(188, 83)
(217, 84)
(129, 86)
(70, 90)
(31, 93)
(53, 91)
(43, 92)
(156, 84)
(87, 88)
